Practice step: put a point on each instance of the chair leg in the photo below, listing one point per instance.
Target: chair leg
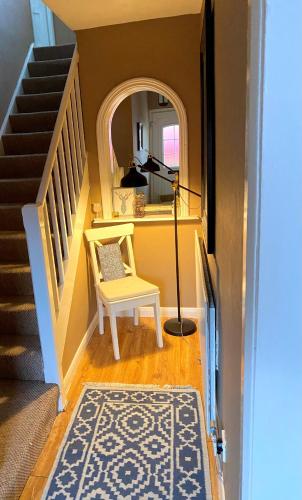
(101, 316)
(159, 335)
(114, 336)
(136, 316)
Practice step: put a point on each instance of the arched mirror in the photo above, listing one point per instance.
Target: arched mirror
(146, 122)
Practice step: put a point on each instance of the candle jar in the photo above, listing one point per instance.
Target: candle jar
(139, 205)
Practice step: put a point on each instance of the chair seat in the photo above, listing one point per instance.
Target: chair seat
(126, 288)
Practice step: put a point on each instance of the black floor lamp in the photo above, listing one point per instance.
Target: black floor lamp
(175, 326)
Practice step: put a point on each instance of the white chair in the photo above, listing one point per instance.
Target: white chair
(129, 292)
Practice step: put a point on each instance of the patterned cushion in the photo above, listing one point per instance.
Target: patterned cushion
(111, 263)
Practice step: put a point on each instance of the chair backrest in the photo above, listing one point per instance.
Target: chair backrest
(121, 233)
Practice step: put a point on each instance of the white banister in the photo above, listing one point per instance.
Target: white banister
(53, 224)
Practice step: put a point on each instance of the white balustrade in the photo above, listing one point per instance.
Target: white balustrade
(50, 222)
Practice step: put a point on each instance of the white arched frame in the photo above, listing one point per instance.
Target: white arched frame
(104, 143)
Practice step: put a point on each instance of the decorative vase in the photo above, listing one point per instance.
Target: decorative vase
(139, 205)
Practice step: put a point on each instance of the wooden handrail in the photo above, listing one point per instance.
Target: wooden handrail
(54, 144)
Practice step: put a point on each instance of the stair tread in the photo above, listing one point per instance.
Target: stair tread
(21, 179)
(32, 96)
(28, 411)
(15, 235)
(27, 134)
(15, 345)
(35, 113)
(26, 155)
(15, 303)
(14, 267)
(9, 206)
(46, 77)
(51, 61)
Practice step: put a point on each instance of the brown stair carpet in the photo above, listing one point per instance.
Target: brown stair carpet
(27, 412)
(27, 405)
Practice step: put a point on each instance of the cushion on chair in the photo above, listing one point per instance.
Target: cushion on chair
(111, 263)
(126, 288)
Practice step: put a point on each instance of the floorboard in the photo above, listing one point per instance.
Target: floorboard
(178, 363)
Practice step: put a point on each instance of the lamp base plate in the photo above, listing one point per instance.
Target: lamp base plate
(180, 328)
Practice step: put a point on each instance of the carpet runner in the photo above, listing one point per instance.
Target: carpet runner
(133, 442)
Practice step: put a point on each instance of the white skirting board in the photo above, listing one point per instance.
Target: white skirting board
(165, 312)
(145, 312)
(77, 357)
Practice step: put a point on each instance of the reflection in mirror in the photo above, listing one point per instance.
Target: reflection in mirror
(146, 122)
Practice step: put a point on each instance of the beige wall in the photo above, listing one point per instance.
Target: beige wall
(165, 49)
(168, 50)
(83, 307)
(63, 34)
(121, 130)
(153, 245)
(230, 74)
(16, 35)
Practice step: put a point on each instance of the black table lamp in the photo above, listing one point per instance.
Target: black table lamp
(175, 326)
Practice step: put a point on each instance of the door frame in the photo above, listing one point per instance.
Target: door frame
(152, 115)
(51, 40)
(270, 449)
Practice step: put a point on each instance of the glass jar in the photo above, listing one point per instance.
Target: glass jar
(139, 205)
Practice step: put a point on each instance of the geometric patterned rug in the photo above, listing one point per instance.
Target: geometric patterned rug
(133, 442)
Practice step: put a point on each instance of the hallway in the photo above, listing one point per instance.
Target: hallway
(141, 363)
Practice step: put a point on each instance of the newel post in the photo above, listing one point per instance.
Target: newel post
(36, 235)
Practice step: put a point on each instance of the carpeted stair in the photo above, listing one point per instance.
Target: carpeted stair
(27, 405)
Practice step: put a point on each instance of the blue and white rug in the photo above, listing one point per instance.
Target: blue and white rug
(133, 442)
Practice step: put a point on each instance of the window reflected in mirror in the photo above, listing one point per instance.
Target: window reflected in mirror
(142, 124)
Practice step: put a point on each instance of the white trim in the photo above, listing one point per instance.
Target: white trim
(103, 133)
(165, 312)
(70, 274)
(251, 237)
(145, 220)
(77, 357)
(5, 127)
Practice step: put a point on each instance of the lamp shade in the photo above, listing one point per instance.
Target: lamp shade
(133, 179)
(150, 165)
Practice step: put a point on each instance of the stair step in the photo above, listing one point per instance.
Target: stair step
(21, 357)
(22, 166)
(30, 103)
(26, 143)
(13, 247)
(28, 411)
(44, 84)
(54, 52)
(15, 280)
(42, 121)
(18, 316)
(19, 190)
(11, 217)
(49, 67)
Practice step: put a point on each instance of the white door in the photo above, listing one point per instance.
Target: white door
(42, 20)
(164, 144)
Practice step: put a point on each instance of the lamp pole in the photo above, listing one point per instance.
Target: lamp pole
(175, 326)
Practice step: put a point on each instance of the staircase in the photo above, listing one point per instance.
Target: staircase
(28, 405)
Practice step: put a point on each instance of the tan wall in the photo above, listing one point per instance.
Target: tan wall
(16, 35)
(165, 49)
(121, 130)
(63, 34)
(153, 245)
(168, 50)
(230, 73)
(83, 307)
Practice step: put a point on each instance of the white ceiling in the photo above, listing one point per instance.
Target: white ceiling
(81, 14)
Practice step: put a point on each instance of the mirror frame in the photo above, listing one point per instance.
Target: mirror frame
(104, 142)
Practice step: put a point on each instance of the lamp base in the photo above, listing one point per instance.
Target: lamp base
(179, 328)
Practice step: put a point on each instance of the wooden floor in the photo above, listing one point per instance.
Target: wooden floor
(178, 363)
